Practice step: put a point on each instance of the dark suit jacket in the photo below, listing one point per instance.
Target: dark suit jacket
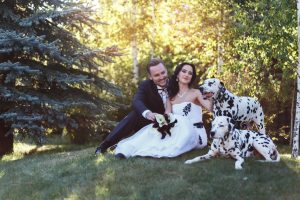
(146, 98)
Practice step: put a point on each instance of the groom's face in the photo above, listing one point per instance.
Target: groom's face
(159, 75)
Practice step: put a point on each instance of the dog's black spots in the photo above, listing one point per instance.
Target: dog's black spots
(215, 146)
(230, 103)
(260, 134)
(226, 113)
(219, 113)
(243, 146)
(200, 140)
(250, 148)
(247, 135)
(211, 83)
(236, 106)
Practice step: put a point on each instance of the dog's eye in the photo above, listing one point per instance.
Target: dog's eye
(210, 83)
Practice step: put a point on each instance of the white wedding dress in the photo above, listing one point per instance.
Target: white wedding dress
(185, 135)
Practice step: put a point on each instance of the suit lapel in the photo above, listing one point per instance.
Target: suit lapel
(155, 92)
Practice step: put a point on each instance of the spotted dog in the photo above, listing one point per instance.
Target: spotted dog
(238, 144)
(244, 109)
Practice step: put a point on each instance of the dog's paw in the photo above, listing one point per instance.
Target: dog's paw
(188, 162)
(238, 167)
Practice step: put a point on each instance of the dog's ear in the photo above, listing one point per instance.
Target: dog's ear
(222, 85)
(232, 121)
(231, 124)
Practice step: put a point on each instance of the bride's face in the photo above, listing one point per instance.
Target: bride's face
(185, 75)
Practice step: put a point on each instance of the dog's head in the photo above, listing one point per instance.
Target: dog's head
(210, 88)
(222, 126)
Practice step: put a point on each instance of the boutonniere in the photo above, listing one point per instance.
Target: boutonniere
(163, 124)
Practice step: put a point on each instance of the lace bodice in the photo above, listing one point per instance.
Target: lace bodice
(189, 109)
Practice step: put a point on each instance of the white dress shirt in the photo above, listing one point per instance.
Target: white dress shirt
(164, 96)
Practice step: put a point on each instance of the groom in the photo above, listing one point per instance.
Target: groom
(149, 100)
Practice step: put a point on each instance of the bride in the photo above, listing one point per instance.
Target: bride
(183, 104)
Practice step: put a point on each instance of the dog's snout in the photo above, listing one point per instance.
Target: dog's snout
(212, 133)
(201, 89)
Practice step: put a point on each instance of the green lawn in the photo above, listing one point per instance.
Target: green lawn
(73, 172)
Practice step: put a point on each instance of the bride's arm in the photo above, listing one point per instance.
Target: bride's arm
(207, 104)
(168, 107)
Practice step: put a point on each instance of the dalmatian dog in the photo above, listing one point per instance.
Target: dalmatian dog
(243, 109)
(238, 144)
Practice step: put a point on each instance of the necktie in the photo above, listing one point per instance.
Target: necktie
(163, 94)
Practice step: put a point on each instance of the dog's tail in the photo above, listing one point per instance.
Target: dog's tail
(275, 155)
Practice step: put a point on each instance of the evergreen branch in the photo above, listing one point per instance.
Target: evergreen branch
(18, 68)
(8, 14)
(104, 55)
(35, 98)
(14, 116)
(39, 17)
(30, 44)
(51, 70)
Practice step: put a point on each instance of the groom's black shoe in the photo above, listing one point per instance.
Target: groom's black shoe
(120, 155)
(102, 148)
(99, 151)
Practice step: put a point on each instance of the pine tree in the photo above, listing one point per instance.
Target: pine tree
(48, 78)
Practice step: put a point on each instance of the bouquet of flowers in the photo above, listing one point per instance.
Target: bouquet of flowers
(163, 124)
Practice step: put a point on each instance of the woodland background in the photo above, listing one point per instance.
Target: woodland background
(71, 67)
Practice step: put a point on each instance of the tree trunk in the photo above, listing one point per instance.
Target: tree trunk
(220, 29)
(6, 141)
(134, 44)
(293, 111)
(295, 149)
(153, 32)
(135, 60)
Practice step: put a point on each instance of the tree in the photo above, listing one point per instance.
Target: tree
(49, 80)
(295, 148)
(262, 53)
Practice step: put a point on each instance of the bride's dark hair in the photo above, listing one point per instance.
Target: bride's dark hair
(173, 87)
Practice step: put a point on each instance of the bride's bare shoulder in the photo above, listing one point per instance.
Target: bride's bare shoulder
(195, 91)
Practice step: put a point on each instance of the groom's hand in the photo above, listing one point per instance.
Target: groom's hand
(150, 116)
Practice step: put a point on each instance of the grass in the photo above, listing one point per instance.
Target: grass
(73, 172)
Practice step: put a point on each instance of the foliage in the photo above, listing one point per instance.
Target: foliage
(250, 45)
(263, 54)
(49, 79)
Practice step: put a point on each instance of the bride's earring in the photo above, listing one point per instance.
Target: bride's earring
(177, 79)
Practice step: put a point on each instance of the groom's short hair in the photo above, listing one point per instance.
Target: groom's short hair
(154, 62)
